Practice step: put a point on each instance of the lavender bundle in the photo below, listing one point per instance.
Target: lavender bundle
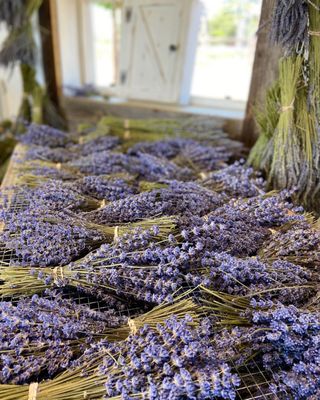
(236, 180)
(42, 336)
(270, 210)
(174, 360)
(179, 198)
(203, 158)
(55, 155)
(106, 187)
(153, 168)
(283, 337)
(46, 136)
(42, 237)
(136, 266)
(56, 195)
(103, 163)
(299, 244)
(280, 280)
(168, 149)
(87, 147)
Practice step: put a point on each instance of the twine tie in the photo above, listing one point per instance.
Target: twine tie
(33, 391)
(132, 326)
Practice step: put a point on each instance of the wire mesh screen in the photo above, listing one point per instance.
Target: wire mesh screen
(255, 382)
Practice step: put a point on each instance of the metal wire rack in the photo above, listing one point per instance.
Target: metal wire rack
(255, 382)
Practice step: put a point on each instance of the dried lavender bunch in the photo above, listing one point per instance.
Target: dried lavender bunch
(173, 361)
(279, 280)
(58, 195)
(103, 163)
(153, 168)
(19, 46)
(12, 12)
(203, 158)
(95, 145)
(289, 26)
(106, 187)
(237, 234)
(180, 198)
(42, 336)
(236, 180)
(56, 155)
(269, 210)
(289, 340)
(299, 244)
(169, 148)
(42, 237)
(43, 135)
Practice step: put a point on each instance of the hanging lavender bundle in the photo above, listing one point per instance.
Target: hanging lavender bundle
(42, 336)
(289, 26)
(180, 198)
(10, 13)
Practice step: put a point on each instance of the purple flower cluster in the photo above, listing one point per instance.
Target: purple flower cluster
(58, 195)
(43, 135)
(96, 145)
(267, 210)
(245, 276)
(56, 154)
(235, 234)
(299, 244)
(103, 163)
(289, 340)
(41, 237)
(105, 187)
(180, 198)
(237, 180)
(169, 148)
(203, 158)
(43, 335)
(154, 168)
(173, 361)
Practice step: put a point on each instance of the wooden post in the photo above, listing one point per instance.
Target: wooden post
(50, 50)
(265, 71)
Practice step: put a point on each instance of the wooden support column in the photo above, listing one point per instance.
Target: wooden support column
(265, 71)
(50, 50)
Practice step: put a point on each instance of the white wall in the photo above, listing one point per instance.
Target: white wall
(10, 86)
(67, 14)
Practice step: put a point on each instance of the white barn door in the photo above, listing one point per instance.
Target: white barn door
(158, 46)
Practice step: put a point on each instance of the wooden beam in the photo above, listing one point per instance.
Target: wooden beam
(265, 71)
(50, 50)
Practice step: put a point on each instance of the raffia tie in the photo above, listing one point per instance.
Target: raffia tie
(55, 274)
(314, 33)
(132, 326)
(59, 165)
(33, 391)
(126, 125)
(288, 108)
(116, 233)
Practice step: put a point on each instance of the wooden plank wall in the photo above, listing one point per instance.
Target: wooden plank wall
(265, 70)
